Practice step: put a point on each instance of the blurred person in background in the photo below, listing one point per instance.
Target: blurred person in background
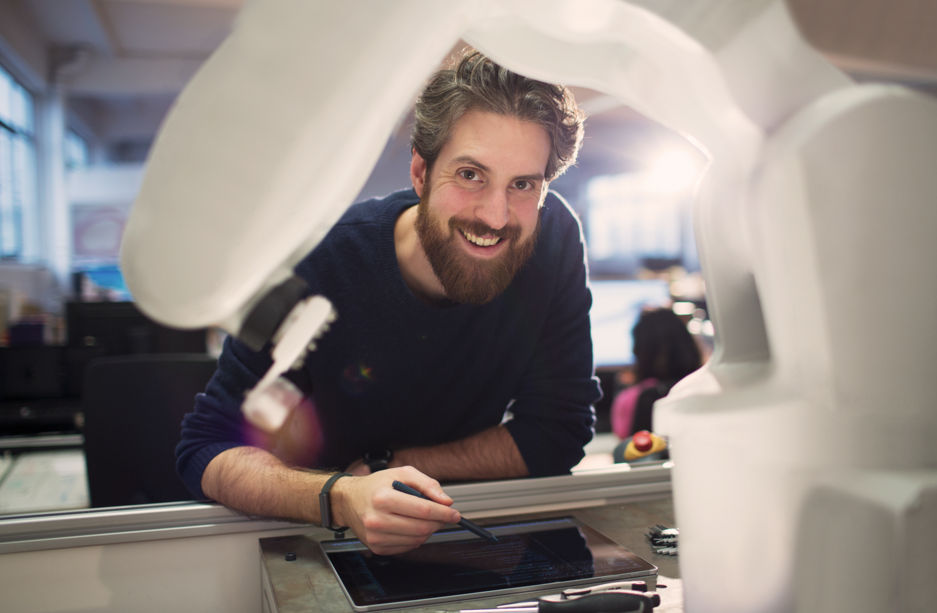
(665, 352)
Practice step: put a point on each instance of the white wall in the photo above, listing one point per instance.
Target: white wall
(114, 185)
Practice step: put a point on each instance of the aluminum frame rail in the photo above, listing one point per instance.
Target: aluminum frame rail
(79, 528)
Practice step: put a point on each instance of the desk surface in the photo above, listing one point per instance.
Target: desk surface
(45, 480)
(307, 584)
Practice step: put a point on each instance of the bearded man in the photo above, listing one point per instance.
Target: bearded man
(462, 347)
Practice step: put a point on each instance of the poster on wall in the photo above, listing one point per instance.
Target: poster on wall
(96, 233)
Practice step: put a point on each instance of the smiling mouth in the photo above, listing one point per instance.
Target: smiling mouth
(479, 240)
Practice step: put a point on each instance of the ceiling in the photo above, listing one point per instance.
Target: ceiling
(123, 61)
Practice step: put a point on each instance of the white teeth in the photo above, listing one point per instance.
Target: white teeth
(481, 242)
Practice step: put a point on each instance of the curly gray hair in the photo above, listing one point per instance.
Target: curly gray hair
(476, 82)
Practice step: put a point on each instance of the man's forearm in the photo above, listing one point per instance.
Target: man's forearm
(255, 481)
(490, 454)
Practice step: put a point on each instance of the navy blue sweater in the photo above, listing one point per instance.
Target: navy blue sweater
(394, 371)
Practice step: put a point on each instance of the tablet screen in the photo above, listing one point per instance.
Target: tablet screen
(456, 564)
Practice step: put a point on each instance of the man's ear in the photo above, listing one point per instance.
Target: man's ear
(417, 172)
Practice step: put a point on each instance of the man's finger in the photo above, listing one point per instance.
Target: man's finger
(426, 485)
(414, 503)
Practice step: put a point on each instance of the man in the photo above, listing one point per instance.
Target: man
(462, 346)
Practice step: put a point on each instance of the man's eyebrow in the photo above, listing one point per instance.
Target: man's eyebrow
(467, 159)
(534, 177)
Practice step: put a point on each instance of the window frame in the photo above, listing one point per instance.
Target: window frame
(18, 164)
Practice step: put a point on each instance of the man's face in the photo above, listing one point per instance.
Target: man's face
(479, 208)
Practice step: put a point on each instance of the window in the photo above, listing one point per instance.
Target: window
(643, 216)
(17, 163)
(76, 151)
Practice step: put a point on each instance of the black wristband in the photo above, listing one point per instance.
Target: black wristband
(325, 506)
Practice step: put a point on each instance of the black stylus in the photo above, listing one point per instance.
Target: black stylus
(465, 523)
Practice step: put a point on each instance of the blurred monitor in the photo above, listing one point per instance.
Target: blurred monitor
(104, 280)
(616, 306)
(120, 328)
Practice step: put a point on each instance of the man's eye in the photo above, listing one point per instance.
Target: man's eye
(523, 184)
(468, 174)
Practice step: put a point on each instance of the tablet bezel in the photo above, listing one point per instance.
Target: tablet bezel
(599, 544)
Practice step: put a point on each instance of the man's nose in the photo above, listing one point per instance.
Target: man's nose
(493, 208)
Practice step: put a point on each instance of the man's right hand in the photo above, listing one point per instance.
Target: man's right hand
(388, 521)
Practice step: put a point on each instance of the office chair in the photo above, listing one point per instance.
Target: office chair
(133, 407)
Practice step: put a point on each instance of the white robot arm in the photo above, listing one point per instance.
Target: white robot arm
(810, 175)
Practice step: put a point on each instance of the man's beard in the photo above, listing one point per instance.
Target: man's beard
(464, 278)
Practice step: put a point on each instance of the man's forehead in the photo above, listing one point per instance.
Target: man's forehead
(492, 141)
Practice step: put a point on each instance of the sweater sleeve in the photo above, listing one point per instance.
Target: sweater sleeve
(216, 422)
(553, 417)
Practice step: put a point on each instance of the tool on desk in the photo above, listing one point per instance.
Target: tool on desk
(635, 586)
(663, 540)
(603, 602)
(465, 523)
(635, 589)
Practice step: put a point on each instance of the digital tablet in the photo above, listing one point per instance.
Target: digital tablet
(456, 564)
